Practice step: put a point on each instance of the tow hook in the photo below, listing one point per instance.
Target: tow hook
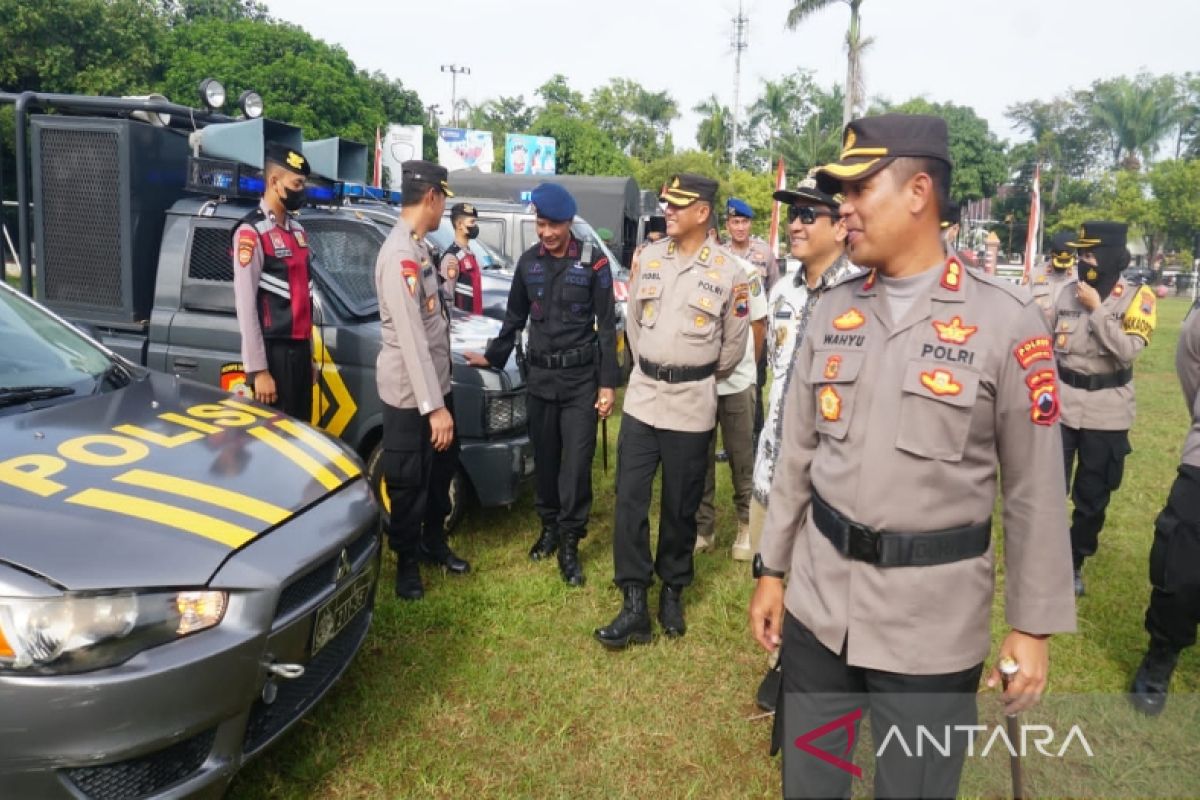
(276, 672)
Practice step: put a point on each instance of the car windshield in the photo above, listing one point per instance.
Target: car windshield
(488, 258)
(41, 354)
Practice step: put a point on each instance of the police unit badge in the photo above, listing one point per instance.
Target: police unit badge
(830, 403)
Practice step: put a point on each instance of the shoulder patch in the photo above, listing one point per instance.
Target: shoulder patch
(247, 240)
(1141, 317)
(600, 264)
(1033, 350)
(412, 275)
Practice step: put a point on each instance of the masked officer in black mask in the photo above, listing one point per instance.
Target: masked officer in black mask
(1101, 325)
(563, 288)
(461, 281)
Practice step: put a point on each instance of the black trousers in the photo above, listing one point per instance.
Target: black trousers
(820, 689)
(684, 457)
(1098, 473)
(1175, 564)
(563, 433)
(290, 363)
(418, 481)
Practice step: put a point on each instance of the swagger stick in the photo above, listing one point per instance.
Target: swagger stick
(1008, 670)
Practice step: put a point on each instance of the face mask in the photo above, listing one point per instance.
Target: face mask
(473, 232)
(293, 199)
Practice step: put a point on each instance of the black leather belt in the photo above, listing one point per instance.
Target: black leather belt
(660, 372)
(1092, 383)
(578, 357)
(886, 549)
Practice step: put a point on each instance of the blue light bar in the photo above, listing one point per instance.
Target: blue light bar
(362, 192)
(320, 193)
(251, 184)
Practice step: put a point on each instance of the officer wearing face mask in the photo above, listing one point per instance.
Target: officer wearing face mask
(1047, 281)
(461, 280)
(272, 288)
(1101, 325)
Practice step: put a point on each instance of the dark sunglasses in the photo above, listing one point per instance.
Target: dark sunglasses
(808, 215)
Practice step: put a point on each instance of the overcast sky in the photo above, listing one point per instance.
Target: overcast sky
(980, 53)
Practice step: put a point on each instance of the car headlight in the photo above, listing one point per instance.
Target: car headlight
(505, 413)
(80, 632)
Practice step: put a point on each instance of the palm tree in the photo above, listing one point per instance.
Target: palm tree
(774, 110)
(1137, 115)
(856, 46)
(714, 132)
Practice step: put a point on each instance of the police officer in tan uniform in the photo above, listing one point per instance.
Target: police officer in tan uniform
(1174, 610)
(420, 451)
(688, 323)
(1101, 326)
(913, 384)
(1047, 281)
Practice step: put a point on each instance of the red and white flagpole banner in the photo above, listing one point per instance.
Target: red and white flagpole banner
(1033, 234)
(377, 178)
(780, 183)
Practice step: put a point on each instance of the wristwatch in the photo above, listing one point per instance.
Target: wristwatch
(760, 571)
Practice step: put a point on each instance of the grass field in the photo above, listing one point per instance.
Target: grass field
(493, 687)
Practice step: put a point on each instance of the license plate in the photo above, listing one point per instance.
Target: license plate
(341, 608)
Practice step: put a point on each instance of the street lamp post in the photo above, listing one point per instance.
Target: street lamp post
(455, 70)
(433, 120)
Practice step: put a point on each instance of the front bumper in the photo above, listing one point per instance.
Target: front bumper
(178, 720)
(498, 469)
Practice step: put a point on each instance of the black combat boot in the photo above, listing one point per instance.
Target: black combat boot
(1149, 691)
(439, 554)
(631, 625)
(546, 544)
(670, 611)
(568, 560)
(408, 580)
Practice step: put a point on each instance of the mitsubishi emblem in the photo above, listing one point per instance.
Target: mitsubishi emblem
(343, 567)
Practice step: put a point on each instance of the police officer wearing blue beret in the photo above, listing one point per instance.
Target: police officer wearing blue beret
(563, 289)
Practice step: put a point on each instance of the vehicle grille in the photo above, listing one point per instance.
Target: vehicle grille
(319, 580)
(505, 412)
(297, 696)
(144, 775)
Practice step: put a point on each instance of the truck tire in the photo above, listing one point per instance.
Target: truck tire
(458, 491)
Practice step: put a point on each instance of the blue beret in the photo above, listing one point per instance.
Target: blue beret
(553, 202)
(737, 207)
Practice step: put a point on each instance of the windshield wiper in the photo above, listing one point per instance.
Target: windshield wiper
(15, 395)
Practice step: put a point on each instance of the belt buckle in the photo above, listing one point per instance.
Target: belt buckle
(864, 543)
(666, 373)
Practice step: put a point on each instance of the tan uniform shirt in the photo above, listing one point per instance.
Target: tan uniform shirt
(1187, 365)
(758, 253)
(685, 313)
(1045, 283)
(413, 368)
(902, 428)
(1101, 342)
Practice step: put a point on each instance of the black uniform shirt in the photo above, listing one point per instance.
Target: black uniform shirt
(569, 302)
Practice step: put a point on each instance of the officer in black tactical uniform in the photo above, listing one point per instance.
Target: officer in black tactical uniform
(564, 287)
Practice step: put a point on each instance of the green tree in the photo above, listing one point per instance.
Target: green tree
(636, 118)
(1136, 113)
(714, 133)
(855, 89)
(1122, 195)
(302, 80)
(583, 149)
(653, 174)
(228, 10)
(557, 95)
(1176, 188)
(106, 47)
(1066, 140)
(979, 163)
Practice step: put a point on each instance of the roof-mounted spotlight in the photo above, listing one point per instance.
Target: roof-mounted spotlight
(251, 103)
(212, 94)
